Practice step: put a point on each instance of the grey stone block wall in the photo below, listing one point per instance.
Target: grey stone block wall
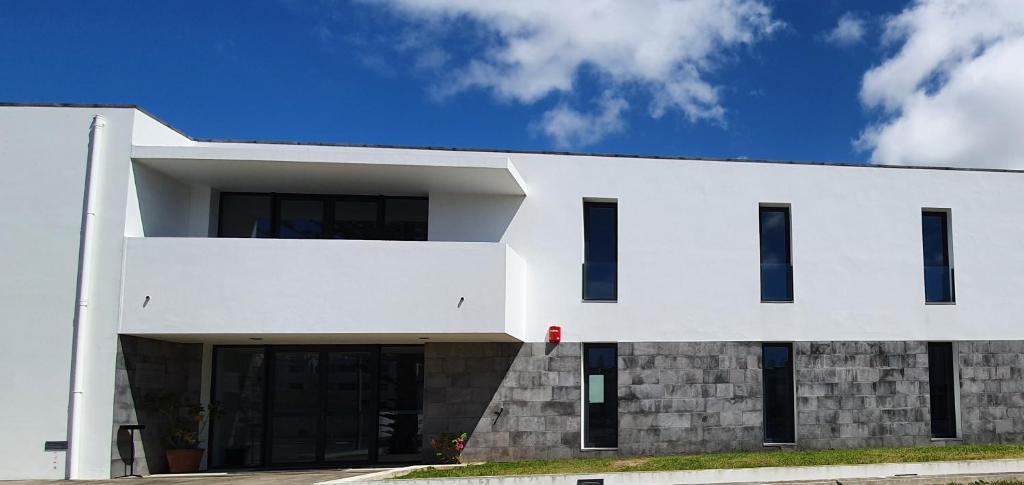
(992, 391)
(523, 401)
(682, 397)
(518, 401)
(149, 367)
(862, 394)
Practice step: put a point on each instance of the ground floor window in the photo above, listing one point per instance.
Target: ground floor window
(600, 396)
(942, 387)
(777, 366)
(285, 406)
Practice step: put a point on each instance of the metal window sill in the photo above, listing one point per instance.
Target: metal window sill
(777, 445)
(599, 301)
(599, 449)
(777, 301)
(940, 303)
(947, 439)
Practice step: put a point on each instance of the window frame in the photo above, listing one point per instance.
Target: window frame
(613, 390)
(792, 401)
(328, 214)
(947, 241)
(600, 203)
(787, 211)
(954, 375)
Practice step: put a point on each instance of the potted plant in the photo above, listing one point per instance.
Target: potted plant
(184, 423)
(448, 447)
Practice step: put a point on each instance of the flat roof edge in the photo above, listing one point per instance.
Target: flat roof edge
(514, 151)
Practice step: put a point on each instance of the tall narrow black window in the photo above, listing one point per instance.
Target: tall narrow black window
(600, 251)
(776, 262)
(600, 394)
(942, 386)
(938, 269)
(777, 366)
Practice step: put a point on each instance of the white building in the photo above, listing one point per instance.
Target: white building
(347, 304)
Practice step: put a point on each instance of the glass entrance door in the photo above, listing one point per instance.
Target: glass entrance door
(295, 408)
(322, 406)
(316, 405)
(349, 420)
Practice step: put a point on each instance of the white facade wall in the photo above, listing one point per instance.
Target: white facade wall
(44, 153)
(688, 254)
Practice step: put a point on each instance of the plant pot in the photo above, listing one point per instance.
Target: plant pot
(184, 461)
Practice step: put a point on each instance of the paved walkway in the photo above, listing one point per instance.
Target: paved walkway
(298, 477)
(935, 480)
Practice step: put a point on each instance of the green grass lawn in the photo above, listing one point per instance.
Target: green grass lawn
(749, 459)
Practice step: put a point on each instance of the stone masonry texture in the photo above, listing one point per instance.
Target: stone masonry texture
(149, 367)
(523, 400)
(689, 397)
(862, 394)
(992, 391)
(518, 401)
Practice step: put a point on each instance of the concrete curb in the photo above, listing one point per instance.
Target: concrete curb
(377, 477)
(731, 476)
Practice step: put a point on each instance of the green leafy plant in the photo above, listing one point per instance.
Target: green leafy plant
(184, 422)
(448, 447)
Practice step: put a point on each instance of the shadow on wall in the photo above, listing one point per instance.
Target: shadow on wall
(460, 390)
(471, 218)
(163, 203)
(147, 367)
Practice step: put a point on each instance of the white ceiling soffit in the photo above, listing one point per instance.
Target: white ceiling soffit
(259, 167)
(322, 338)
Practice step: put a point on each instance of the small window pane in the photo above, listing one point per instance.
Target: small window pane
(301, 219)
(777, 366)
(938, 272)
(601, 409)
(776, 265)
(356, 219)
(600, 259)
(405, 219)
(244, 215)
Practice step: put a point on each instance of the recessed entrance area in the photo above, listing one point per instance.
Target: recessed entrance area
(309, 406)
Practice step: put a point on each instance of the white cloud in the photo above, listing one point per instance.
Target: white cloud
(849, 30)
(536, 48)
(569, 127)
(953, 92)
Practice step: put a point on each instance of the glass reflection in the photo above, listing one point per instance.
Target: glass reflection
(237, 434)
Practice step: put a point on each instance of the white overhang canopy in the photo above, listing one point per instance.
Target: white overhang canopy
(267, 167)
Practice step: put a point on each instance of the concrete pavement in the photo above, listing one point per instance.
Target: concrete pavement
(284, 477)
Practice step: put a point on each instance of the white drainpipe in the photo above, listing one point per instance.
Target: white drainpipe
(82, 339)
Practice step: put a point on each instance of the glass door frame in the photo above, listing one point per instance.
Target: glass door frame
(270, 358)
(323, 360)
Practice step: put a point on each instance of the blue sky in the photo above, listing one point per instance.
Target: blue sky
(383, 72)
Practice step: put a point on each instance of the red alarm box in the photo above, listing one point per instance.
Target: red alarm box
(554, 334)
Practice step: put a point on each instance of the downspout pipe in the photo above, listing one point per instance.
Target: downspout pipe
(82, 334)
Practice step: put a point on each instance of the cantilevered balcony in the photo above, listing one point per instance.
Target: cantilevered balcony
(321, 291)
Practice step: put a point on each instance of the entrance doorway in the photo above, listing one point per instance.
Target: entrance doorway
(286, 406)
